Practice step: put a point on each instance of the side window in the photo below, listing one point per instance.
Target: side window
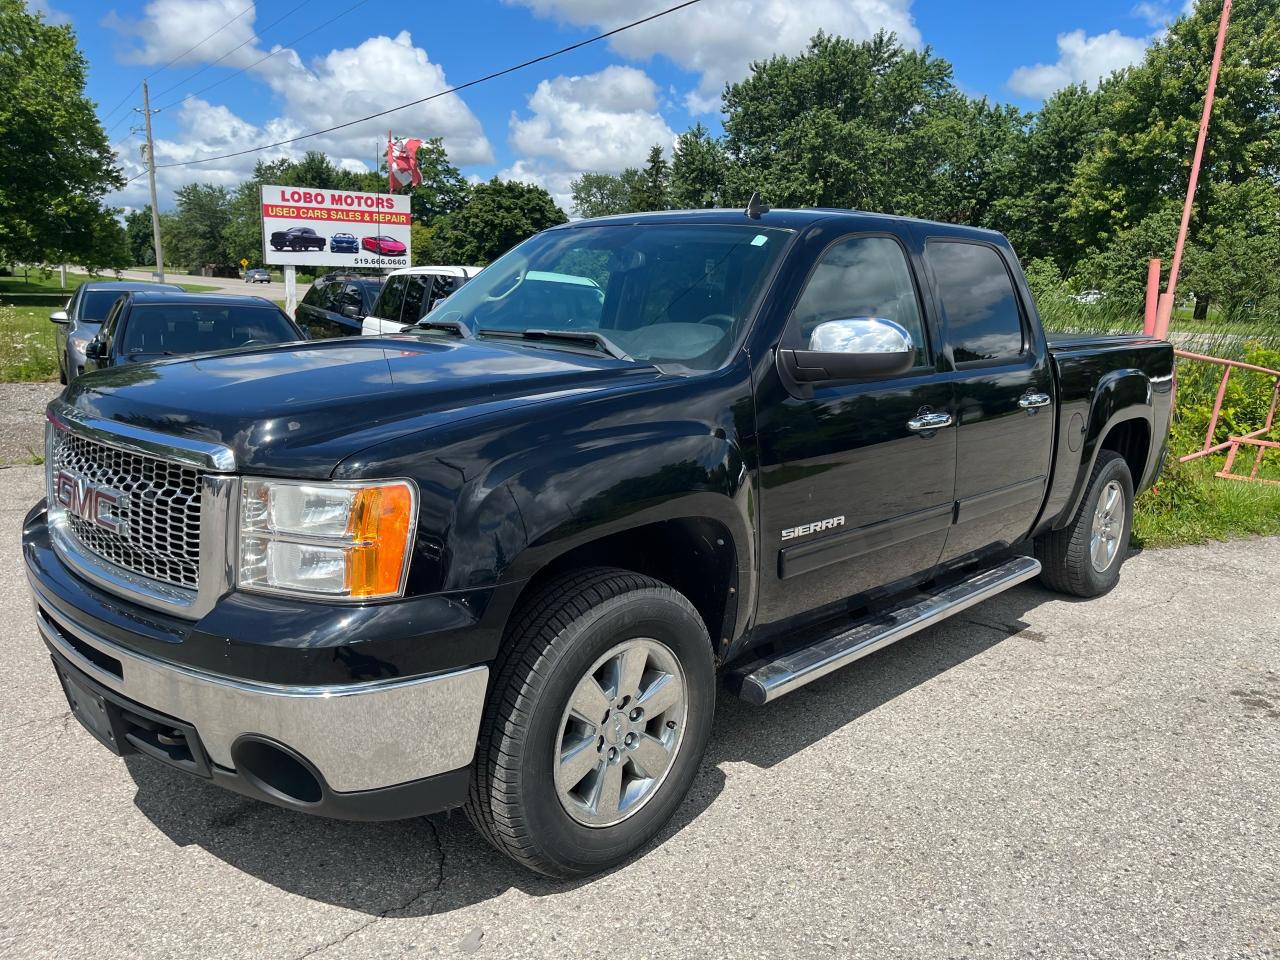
(415, 298)
(314, 295)
(860, 277)
(392, 298)
(978, 300)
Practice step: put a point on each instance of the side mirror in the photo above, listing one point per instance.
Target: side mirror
(350, 310)
(93, 350)
(59, 316)
(859, 348)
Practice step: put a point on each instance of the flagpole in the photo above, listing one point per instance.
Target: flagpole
(390, 188)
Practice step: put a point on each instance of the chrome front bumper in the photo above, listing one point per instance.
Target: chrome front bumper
(359, 737)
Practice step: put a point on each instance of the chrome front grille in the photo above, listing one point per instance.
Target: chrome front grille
(153, 528)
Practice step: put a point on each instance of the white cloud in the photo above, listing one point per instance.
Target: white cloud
(329, 90)
(56, 17)
(1081, 59)
(168, 29)
(601, 122)
(1161, 14)
(719, 40)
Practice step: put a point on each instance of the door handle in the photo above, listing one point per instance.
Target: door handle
(1031, 401)
(928, 422)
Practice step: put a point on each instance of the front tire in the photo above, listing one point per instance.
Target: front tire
(1084, 558)
(597, 720)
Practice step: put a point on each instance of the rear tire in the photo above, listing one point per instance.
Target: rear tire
(564, 782)
(1084, 558)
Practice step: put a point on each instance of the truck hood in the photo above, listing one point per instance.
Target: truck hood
(299, 409)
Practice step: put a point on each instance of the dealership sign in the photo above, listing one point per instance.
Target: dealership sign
(334, 228)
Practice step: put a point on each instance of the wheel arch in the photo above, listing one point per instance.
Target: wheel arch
(1120, 418)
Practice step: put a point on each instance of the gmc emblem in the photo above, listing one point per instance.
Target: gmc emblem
(80, 497)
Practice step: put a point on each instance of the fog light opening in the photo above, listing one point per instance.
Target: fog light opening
(277, 770)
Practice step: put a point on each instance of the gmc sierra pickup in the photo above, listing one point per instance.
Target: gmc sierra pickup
(498, 561)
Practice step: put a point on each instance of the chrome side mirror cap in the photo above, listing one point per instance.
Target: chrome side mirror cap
(59, 316)
(861, 335)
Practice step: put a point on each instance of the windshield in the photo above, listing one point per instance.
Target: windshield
(675, 293)
(199, 328)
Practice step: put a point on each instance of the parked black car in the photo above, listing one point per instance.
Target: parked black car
(336, 305)
(148, 326)
(79, 323)
(497, 562)
(297, 238)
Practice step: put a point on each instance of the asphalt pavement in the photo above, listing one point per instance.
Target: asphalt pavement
(1039, 777)
(272, 291)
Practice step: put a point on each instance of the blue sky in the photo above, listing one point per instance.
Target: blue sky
(598, 108)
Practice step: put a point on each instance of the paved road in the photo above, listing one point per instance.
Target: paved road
(1042, 778)
(22, 420)
(272, 291)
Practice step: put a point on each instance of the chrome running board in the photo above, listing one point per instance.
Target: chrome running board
(762, 682)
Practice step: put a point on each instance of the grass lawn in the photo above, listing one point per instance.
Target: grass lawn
(1191, 505)
(27, 344)
(37, 281)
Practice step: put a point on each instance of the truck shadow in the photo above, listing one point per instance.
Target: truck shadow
(439, 864)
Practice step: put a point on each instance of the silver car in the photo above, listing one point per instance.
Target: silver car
(79, 322)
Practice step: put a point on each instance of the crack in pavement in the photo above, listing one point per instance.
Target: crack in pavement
(436, 888)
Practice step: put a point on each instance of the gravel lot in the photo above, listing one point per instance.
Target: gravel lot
(22, 420)
(1039, 778)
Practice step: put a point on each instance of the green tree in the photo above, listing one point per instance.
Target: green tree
(199, 226)
(139, 237)
(1034, 205)
(654, 187)
(498, 215)
(867, 125)
(55, 163)
(1150, 113)
(698, 170)
(606, 194)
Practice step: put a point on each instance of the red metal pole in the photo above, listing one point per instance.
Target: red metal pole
(1166, 307)
(1153, 297)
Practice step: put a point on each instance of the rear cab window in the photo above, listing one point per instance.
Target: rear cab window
(980, 307)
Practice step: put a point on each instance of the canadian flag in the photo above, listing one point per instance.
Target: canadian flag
(402, 163)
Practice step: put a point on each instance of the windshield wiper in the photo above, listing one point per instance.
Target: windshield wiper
(454, 326)
(593, 337)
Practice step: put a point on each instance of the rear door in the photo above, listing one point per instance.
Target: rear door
(1004, 392)
(855, 496)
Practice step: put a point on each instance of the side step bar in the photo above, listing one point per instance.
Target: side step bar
(767, 681)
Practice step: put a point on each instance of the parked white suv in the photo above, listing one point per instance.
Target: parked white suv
(410, 294)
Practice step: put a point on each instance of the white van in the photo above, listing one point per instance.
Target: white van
(410, 293)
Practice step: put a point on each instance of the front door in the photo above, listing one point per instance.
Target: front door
(1004, 394)
(855, 495)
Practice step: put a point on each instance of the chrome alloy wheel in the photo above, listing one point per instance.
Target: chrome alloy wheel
(1108, 524)
(620, 733)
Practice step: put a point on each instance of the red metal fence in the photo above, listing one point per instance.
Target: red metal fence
(1251, 439)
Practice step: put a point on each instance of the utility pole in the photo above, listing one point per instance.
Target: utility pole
(151, 175)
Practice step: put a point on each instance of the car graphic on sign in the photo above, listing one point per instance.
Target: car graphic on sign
(297, 238)
(387, 246)
(343, 243)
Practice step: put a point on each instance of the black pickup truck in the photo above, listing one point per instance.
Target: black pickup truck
(498, 561)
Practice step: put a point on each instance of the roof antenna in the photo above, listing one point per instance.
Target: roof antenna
(755, 208)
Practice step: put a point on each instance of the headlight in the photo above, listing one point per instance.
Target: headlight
(339, 540)
(79, 343)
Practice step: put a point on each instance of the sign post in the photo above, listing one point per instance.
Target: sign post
(290, 289)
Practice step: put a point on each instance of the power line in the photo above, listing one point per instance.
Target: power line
(413, 103)
(252, 37)
(125, 98)
(288, 44)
